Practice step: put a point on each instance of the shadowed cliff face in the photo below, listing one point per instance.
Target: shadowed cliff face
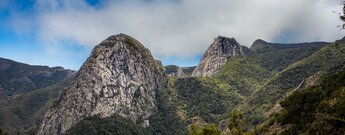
(26, 92)
(120, 77)
(216, 56)
(18, 78)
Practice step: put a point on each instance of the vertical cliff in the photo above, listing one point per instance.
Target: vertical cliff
(120, 77)
(216, 56)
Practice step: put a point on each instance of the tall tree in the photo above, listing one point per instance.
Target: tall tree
(342, 15)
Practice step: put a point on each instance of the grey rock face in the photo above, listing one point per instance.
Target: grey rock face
(120, 77)
(215, 57)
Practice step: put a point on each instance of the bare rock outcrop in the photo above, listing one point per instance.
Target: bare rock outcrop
(216, 56)
(120, 77)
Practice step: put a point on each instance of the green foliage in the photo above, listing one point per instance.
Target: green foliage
(254, 119)
(275, 57)
(328, 60)
(193, 130)
(253, 83)
(340, 106)
(26, 92)
(209, 129)
(21, 78)
(239, 80)
(243, 75)
(185, 98)
(24, 114)
(166, 121)
(113, 125)
(2, 132)
(205, 97)
(317, 110)
(236, 123)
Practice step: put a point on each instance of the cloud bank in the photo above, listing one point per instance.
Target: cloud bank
(185, 28)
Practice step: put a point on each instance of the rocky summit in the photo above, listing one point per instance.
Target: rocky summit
(216, 56)
(120, 77)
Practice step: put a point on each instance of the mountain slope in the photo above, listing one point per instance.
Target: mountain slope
(23, 114)
(210, 99)
(113, 125)
(243, 75)
(275, 56)
(213, 98)
(120, 77)
(17, 78)
(26, 91)
(327, 61)
(317, 109)
(121, 89)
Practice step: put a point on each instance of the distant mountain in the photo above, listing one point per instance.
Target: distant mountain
(176, 71)
(119, 78)
(319, 109)
(275, 56)
(221, 50)
(269, 88)
(17, 78)
(26, 93)
(327, 61)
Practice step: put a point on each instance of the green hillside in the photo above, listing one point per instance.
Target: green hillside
(26, 92)
(251, 84)
(17, 78)
(246, 83)
(24, 114)
(315, 110)
(209, 98)
(327, 61)
(275, 57)
(246, 88)
(113, 125)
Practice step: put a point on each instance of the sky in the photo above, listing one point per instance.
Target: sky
(64, 32)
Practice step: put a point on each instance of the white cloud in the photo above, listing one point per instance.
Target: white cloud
(186, 28)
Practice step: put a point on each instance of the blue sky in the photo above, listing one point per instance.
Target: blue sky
(63, 32)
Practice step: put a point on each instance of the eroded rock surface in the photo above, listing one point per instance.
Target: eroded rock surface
(216, 56)
(120, 77)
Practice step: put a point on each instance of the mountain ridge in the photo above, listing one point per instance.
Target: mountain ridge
(26, 91)
(122, 84)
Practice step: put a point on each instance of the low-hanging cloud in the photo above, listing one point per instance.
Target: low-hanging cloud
(185, 28)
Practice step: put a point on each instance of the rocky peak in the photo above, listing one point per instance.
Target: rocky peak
(260, 45)
(120, 77)
(259, 42)
(215, 57)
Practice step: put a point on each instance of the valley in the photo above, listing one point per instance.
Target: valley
(269, 88)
